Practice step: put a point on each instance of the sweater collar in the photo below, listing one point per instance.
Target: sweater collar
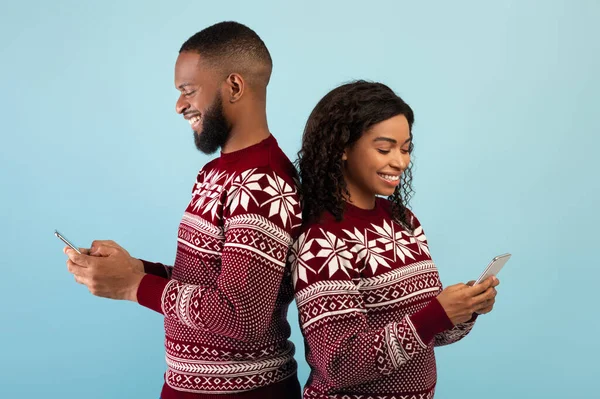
(239, 154)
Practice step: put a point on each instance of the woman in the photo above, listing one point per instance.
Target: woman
(371, 304)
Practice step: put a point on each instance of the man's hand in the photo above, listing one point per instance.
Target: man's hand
(107, 270)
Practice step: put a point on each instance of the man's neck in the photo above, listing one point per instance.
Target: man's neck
(236, 143)
(246, 134)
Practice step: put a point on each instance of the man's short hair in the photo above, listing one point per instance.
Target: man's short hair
(233, 47)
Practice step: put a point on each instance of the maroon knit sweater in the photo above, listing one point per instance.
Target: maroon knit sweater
(225, 299)
(366, 291)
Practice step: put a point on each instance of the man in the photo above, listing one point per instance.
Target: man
(225, 299)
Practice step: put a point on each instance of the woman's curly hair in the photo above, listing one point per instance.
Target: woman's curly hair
(336, 123)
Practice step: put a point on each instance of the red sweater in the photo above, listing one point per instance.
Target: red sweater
(365, 289)
(225, 299)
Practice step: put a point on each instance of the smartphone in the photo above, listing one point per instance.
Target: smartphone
(494, 267)
(60, 236)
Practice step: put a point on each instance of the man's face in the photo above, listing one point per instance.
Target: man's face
(200, 102)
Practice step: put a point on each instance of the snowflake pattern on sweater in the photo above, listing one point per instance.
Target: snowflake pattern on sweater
(365, 289)
(225, 299)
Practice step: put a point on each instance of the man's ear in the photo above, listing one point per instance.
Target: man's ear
(236, 86)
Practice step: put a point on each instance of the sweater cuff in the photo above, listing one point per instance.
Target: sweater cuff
(431, 320)
(472, 319)
(157, 269)
(150, 292)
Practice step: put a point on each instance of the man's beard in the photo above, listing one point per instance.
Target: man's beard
(215, 129)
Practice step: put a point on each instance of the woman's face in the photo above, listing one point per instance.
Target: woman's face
(374, 164)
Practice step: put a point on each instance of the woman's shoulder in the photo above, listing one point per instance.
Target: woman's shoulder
(325, 222)
(386, 205)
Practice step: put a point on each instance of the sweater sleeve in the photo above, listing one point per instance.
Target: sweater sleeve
(157, 269)
(261, 214)
(454, 334)
(341, 345)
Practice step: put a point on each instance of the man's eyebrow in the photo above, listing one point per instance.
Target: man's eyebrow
(184, 85)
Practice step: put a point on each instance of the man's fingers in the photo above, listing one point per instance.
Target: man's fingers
(80, 259)
(84, 260)
(84, 251)
(104, 243)
(108, 243)
(76, 269)
(80, 274)
(103, 250)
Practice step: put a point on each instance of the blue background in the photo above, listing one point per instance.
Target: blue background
(505, 95)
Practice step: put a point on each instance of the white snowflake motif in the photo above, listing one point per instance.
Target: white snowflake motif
(421, 240)
(393, 240)
(366, 249)
(242, 187)
(207, 193)
(337, 254)
(283, 199)
(300, 254)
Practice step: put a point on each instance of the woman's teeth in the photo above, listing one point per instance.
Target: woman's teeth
(389, 177)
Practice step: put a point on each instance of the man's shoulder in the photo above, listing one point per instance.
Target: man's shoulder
(208, 167)
(273, 163)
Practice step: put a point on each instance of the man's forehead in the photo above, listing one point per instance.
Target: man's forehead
(187, 61)
(186, 69)
(189, 67)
